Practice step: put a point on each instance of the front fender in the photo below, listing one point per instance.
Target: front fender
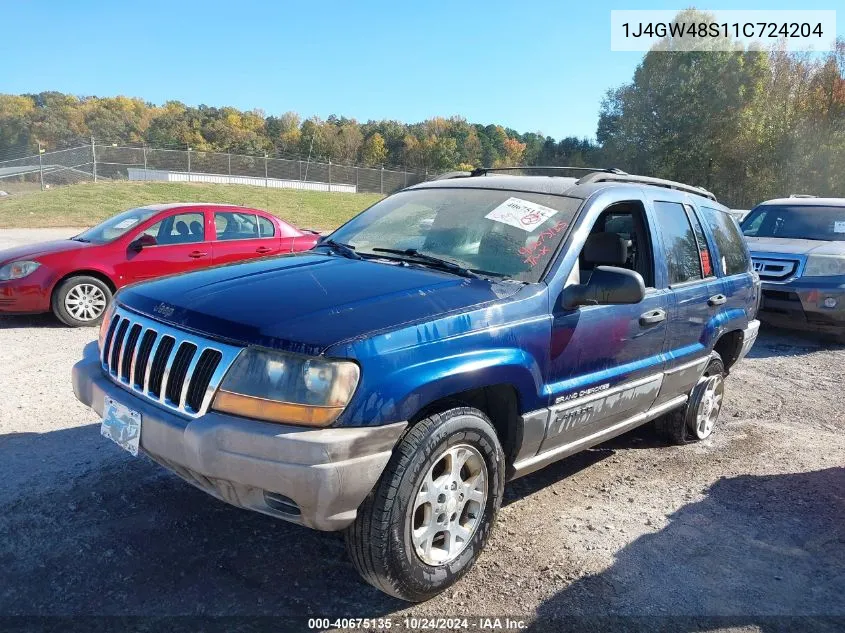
(403, 393)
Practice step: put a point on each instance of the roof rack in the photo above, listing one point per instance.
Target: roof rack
(802, 195)
(481, 171)
(646, 180)
(452, 174)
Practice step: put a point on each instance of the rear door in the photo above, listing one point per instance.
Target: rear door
(182, 245)
(697, 295)
(732, 261)
(244, 235)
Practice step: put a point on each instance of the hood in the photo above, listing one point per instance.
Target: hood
(306, 303)
(33, 251)
(794, 246)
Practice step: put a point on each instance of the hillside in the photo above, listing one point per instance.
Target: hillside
(88, 204)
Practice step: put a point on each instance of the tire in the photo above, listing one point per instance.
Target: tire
(81, 301)
(685, 426)
(380, 541)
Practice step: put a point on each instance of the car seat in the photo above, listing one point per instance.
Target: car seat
(603, 249)
(196, 229)
(182, 230)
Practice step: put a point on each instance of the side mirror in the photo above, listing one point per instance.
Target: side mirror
(608, 285)
(143, 242)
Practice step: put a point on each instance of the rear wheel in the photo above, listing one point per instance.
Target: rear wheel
(81, 300)
(697, 419)
(430, 515)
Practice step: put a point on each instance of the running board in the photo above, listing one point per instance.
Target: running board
(536, 462)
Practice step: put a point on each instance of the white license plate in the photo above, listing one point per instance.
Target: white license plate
(122, 425)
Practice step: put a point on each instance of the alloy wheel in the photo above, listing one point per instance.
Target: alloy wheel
(449, 505)
(709, 406)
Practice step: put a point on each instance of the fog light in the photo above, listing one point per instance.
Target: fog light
(830, 302)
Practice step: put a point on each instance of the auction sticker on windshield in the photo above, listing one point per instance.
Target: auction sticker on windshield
(521, 213)
(121, 425)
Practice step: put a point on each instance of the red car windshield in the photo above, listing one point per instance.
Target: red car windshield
(116, 226)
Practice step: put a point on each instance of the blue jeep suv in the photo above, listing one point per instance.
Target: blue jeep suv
(455, 335)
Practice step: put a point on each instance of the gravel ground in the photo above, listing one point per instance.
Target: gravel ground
(747, 527)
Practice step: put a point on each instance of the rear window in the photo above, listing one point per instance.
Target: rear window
(795, 221)
(732, 249)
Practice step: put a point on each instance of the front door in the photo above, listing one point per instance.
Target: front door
(180, 246)
(606, 360)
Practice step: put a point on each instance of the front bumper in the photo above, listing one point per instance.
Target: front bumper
(314, 477)
(806, 304)
(24, 296)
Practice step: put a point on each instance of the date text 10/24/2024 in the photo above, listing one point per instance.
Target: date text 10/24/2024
(412, 623)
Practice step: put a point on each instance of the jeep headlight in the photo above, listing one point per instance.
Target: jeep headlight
(17, 270)
(824, 266)
(288, 388)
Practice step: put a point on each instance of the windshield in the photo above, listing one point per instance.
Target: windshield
(806, 222)
(505, 234)
(116, 226)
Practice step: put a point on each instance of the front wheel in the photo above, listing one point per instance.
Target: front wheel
(81, 300)
(430, 515)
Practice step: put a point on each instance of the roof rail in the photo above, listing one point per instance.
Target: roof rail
(481, 171)
(646, 180)
(802, 195)
(451, 174)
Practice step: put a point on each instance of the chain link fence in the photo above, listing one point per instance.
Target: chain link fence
(102, 161)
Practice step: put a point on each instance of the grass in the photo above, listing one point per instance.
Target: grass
(87, 204)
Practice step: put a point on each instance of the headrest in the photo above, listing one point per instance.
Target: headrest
(606, 249)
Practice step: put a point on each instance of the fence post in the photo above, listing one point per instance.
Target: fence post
(144, 149)
(381, 183)
(300, 169)
(189, 163)
(230, 166)
(405, 171)
(330, 175)
(94, 159)
(356, 179)
(266, 181)
(41, 165)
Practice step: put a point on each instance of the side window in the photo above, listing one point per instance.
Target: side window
(235, 226)
(265, 227)
(619, 238)
(731, 244)
(681, 247)
(703, 248)
(183, 228)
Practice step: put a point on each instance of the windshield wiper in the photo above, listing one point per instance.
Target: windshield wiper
(341, 249)
(415, 255)
(76, 238)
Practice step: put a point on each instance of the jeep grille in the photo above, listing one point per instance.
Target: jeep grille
(176, 369)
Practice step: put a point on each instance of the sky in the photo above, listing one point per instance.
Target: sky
(534, 66)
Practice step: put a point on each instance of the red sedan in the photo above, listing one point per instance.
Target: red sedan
(75, 278)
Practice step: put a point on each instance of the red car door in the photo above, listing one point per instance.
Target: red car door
(244, 235)
(177, 243)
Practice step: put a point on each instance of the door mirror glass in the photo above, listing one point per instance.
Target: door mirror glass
(608, 285)
(143, 242)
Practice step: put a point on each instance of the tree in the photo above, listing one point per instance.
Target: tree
(374, 151)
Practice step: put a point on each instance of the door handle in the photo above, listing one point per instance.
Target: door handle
(652, 316)
(717, 300)
(197, 254)
(263, 249)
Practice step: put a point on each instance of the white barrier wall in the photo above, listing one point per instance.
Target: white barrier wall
(159, 175)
